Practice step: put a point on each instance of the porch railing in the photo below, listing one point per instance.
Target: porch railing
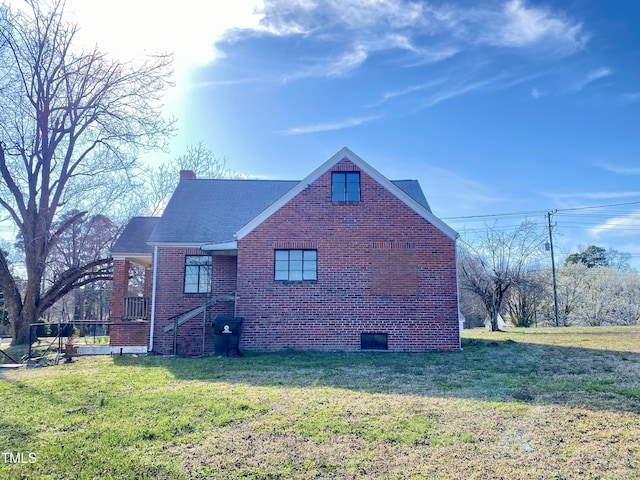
(135, 308)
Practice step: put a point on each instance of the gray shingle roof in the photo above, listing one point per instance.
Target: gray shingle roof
(213, 210)
(133, 239)
(202, 211)
(413, 189)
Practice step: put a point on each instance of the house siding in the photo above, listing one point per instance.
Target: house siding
(382, 268)
(171, 301)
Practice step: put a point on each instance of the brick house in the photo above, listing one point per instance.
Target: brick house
(342, 260)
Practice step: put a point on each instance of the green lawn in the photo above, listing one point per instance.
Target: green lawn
(541, 404)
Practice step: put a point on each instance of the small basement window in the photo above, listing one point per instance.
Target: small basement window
(373, 341)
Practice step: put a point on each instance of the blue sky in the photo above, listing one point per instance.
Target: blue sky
(494, 106)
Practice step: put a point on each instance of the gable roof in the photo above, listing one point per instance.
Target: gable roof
(212, 211)
(421, 208)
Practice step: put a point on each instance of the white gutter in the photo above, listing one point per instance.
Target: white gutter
(460, 322)
(220, 246)
(153, 297)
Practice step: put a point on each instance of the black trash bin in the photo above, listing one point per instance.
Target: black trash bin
(226, 336)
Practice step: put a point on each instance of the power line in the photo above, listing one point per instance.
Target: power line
(540, 212)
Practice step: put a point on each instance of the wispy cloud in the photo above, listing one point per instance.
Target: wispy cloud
(590, 77)
(536, 93)
(619, 226)
(328, 126)
(332, 68)
(453, 92)
(582, 196)
(411, 89)
(363, 27)
(623, 170)
(631, 97)
(518, 25)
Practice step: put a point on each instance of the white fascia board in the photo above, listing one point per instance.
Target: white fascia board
(365, 167)
(212, 247)
(124, 256)
(175, 245)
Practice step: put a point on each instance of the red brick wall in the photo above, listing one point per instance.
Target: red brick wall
(381, 268)
(127, 334)
(171, 300)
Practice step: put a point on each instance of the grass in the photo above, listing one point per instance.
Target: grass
(542, 404)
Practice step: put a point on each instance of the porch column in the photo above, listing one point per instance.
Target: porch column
(120, 288)
(148, 286)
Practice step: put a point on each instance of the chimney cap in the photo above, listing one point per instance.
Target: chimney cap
(187, 174)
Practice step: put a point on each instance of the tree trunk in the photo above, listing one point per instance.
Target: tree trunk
(24, 315)
(20, 330)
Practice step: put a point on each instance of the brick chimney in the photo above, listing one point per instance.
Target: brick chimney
(187, 174)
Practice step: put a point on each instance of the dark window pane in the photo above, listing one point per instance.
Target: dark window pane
(295, 265)
(373, 341)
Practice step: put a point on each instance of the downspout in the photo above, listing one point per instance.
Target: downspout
(458, 292)
(153, 297)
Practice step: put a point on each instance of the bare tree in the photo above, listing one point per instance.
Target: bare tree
(524, 299)
(84, 242)
(597, 296)
(72, 123)
(492, 262)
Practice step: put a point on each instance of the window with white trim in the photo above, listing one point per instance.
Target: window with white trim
(296, 265)
(197, 273)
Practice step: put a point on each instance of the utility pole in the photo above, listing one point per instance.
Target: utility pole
(549, 216)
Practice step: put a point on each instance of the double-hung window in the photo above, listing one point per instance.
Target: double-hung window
(296, 265)
(197, 273)
(345, 186)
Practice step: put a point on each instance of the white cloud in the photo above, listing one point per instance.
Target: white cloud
(332, 68)
(536, 93)
(422, 32)
(519, 25)
(328, 126)
(193, 28)
(618, 226)
(623, 170)
(577, 196)
(590, 77)
(411, 89)
(458, 90)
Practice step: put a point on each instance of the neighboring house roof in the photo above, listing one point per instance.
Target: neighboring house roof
(133, 239)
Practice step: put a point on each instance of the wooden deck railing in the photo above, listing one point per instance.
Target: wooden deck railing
(135, 308)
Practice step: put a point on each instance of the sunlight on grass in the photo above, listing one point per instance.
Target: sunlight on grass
(521, 404)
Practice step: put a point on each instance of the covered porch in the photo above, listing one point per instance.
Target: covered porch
(132, 285)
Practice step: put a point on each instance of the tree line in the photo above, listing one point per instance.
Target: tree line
(501, 275)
